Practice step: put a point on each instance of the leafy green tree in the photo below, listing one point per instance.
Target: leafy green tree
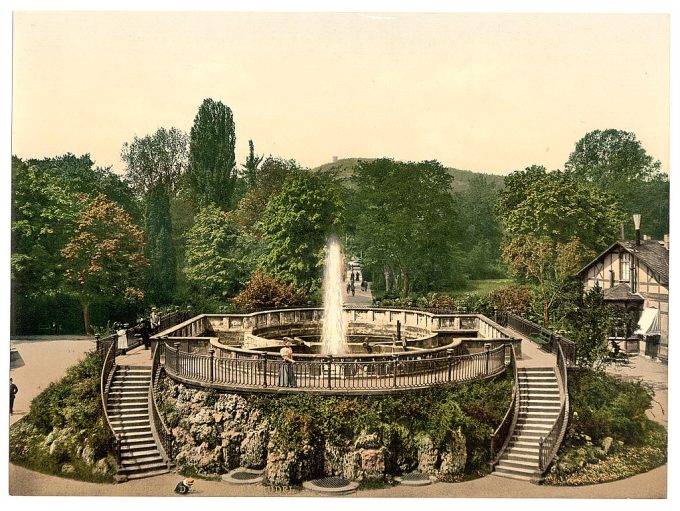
(156, 160)
(212, 162)
(268, 182)
(482, 233)
(589, 322)
(405, 223)
(251, 165)
(548, 263)
(78, 174)
(219, 256)
(104, 259)
(615, 161)
(558, 206)
(43, 219)
(296, 225)
(155, 166)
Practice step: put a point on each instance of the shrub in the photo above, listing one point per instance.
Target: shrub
(63, 419)
(512, 298)
(264, 291)
(606, 406)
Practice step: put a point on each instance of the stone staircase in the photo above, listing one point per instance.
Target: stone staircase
(128, 410)
(539, 401)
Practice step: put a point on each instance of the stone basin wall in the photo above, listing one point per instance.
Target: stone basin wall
(217, 432)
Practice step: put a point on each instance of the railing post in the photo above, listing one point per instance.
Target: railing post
(395, 359)
(96, 340)
(212, 365)
(176, 345)
(487, 349)
(264, 366)
(330, 368)
(449, 354)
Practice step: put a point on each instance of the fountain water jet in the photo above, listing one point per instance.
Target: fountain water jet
(333, 334)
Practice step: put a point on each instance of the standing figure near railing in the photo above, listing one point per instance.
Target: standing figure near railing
(155, 320)
(144, 328)
(287, 371)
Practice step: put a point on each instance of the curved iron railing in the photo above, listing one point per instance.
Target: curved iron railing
(110, 346)
(549, 444)
(329, 374)
(161, 429)
(529, 329)
(501, 437)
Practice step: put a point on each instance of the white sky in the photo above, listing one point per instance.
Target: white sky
(484, 92)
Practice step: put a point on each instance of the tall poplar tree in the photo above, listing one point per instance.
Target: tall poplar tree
(212, 161)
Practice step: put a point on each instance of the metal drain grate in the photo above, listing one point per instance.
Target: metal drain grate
(331, 482)
(244, 476)
(415, 476)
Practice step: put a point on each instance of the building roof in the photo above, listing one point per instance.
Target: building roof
(651, 252)
(622, 293)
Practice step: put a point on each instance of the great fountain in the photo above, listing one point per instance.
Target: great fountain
(334, 330)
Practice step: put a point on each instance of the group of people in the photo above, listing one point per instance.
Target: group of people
(351, 287)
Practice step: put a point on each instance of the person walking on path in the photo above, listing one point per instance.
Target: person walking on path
(352, 288)
(13, 389)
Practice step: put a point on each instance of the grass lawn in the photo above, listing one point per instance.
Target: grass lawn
(481, 286)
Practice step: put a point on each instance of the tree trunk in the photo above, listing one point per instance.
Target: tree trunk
(405, 283)
(387, 279)
(546, 313)
(86, 318)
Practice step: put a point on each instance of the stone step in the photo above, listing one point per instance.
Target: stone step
(537, 369)
(124, 430)
(127, 424)
(513, 455)
(537, 377)
(532, 450)
(509, 474)
(123, 399)
(537, 414)
(523, 419)
(531, 435)
(143, 444)
(126, 418)
(129, 468)
(526, 472)
(150, 473)
(129, 393)
(136, 435)
(139, 453)
(538, 385)
(139, 459)
(522, 443)
(129, 388)
(525, 464)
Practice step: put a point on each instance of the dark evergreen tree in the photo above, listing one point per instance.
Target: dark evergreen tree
(212, 161)
(251, 165)
(160, 250)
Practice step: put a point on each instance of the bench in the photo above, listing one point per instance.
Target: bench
(542, 337)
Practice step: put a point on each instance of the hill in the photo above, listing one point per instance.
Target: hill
(344, 168)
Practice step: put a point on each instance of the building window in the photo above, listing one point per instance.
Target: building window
(624, 261)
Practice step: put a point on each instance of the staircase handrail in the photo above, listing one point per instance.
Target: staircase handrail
(550, 444)
(505, 429)
(529, 329)
(108, 368)
(159, 428)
